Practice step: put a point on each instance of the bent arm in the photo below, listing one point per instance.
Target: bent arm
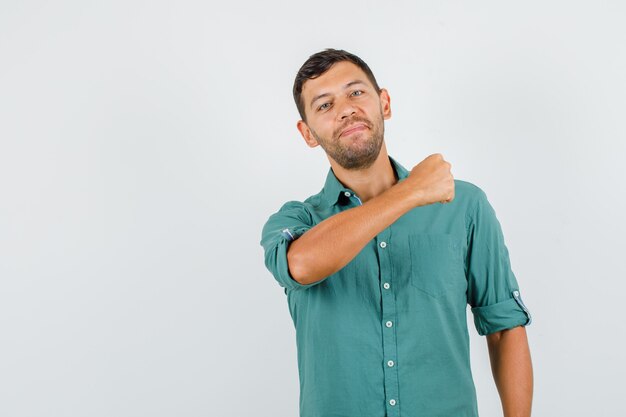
(334, 242)
(512, 370)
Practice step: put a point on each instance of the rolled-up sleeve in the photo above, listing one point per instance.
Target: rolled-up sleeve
(290, 222)
(493, 291)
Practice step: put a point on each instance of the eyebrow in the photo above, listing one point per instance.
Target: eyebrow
(350, 84)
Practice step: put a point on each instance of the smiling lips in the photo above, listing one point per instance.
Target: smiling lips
(354, 128)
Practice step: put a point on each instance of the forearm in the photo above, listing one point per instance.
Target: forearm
(334, 242)
(512, 370)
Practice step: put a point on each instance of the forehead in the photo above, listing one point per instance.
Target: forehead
(335, 78)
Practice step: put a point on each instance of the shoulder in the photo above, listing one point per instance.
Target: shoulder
(309, 205)
(467, 188)
(468, 194)
(295, 209)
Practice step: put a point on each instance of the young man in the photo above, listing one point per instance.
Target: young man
(379, 266)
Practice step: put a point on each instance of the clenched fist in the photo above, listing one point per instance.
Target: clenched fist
(431, 181)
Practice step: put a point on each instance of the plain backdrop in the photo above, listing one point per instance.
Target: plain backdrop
(145, 143)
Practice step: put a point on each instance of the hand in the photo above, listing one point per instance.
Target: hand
(431, 181)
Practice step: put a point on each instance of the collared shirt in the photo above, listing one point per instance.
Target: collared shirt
(387, 334)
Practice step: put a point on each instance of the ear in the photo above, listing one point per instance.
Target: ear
(306, 134)
(385, 103)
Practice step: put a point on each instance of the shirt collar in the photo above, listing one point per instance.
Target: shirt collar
(334, 190)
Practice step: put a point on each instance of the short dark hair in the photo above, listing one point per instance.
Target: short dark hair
(318, 64)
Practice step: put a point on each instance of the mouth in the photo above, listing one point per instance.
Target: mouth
(353, 129)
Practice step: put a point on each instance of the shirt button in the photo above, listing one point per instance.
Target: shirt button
(392, 402)
(347, 193)
(390, 363)
(386, 285)
(383, 244)
(389, 324)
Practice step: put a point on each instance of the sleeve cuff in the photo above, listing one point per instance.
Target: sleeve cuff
(500, 316)
(282, 267)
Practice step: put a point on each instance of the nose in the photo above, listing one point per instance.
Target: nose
(346, 109)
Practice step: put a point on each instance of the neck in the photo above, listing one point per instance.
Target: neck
(369, 182)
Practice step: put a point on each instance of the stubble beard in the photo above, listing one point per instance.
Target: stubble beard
(353, 156)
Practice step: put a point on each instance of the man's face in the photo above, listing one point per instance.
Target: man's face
(345, 115)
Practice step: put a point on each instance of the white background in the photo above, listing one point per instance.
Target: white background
(144, 144)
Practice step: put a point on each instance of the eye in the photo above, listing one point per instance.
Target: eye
(357, 93)
(323, 106)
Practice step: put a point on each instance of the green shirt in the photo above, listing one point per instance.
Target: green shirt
(387, 334)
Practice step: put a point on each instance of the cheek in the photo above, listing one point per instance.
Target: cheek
(326, 124)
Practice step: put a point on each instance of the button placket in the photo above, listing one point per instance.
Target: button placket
(351, 194)
(388, 319)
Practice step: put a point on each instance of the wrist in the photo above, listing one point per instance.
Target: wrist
(406, 193)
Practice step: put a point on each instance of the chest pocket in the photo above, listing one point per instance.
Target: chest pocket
(437, 266)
